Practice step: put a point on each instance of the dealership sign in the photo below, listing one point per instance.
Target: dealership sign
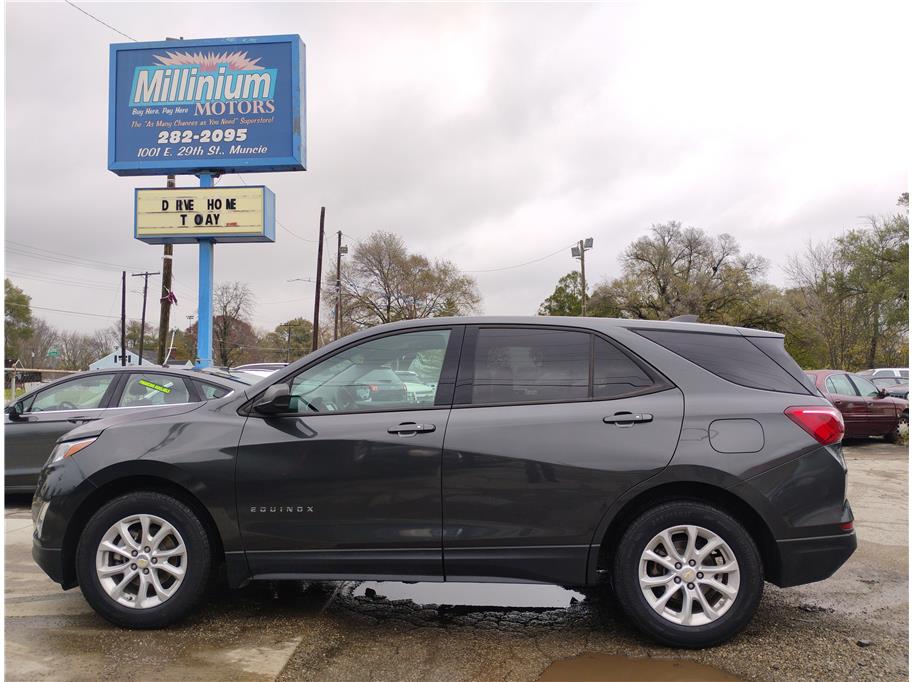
(222, 214)
(222, 105)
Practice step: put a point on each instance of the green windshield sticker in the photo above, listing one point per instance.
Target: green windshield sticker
(157, 387)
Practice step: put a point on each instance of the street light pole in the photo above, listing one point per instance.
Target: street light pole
(340, 251)
(579, 251)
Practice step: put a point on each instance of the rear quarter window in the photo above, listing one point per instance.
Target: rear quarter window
(211, 391)
(736, 358)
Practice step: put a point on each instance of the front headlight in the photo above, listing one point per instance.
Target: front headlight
(69, 449)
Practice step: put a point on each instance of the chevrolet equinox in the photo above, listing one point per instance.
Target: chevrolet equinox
(678, 465)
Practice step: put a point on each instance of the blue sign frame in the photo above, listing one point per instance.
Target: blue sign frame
(267, 235)
(275, 136)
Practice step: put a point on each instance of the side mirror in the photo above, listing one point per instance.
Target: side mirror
(275, 400)
(15, 411)
(882, 393)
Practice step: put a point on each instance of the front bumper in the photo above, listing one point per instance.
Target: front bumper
(807, 560)
(50, 560)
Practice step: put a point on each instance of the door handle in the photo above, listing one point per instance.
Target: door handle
(78, 420)
(411, 428)
(628, 418)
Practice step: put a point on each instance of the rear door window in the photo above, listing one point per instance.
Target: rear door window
(530, 365)
(149, 390)
(736, 358)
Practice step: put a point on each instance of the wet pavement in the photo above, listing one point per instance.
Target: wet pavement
(851, 627)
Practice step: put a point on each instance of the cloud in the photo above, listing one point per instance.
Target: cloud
(487, 134)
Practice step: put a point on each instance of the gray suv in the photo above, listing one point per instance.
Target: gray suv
(678, 465)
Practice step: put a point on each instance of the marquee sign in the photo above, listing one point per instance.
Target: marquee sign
(223, 105)
(221, 214)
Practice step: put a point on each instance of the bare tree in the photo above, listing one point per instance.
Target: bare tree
(679, 271)
(232, 306)
(77, 351)
(34, 349)
(383, 282)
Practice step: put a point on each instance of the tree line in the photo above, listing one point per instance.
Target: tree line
(381, 281)
(846, 304)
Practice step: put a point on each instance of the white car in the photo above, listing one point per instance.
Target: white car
(899, 372)
(260, 369)
(417, 391)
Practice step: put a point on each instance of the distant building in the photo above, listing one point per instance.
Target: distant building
(113, 360)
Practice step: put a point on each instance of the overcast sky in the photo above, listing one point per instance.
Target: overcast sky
(491, 135)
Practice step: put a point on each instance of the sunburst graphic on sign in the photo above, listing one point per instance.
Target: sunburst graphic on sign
(236, 61)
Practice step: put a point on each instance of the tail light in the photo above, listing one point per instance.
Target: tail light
(824, 423)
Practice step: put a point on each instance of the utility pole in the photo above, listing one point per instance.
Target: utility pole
(164, 317)
(340, 250)
(579, 251)
(123, 318)
(142, 324)
(288, 326)
(317, 294)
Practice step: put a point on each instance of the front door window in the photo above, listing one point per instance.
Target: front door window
(84, 393)
(395, 372)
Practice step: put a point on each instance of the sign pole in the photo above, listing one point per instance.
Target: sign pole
(123, 318)
(204, 318)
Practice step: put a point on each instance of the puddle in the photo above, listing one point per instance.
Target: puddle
(606, 668)
(474, 594)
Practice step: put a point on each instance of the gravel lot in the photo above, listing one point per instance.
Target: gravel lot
(851, 627)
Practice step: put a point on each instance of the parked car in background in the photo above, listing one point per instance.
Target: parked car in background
(894, 386)
(866, 409)
(898, 372)
(34, 422)
(261, 369)
(418, 392)
(680, 464)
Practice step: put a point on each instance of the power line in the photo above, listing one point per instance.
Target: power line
(59, 310)
(530, 262)
(279, 222)
(38, 253)
(58, 280)
(103, 23)
(506, 267)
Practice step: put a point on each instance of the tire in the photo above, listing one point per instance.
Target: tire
(894, 435)
(182, 544)
(732, 614)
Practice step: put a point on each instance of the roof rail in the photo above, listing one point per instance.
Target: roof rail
(684, 318)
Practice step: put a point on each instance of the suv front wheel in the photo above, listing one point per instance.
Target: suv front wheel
(688, 574)
(143, 560)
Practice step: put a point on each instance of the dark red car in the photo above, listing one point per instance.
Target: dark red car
(866, 409)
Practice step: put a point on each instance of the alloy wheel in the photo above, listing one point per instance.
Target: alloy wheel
(689, 575)
(141, 561)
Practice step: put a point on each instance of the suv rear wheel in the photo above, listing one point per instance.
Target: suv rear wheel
(688, 574)
(143, 560)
